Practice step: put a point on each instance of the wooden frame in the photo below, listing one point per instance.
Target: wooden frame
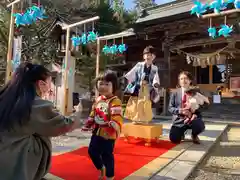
(105, 38)
(64, 107)
(10, 41)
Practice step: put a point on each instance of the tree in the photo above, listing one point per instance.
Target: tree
(142, 4)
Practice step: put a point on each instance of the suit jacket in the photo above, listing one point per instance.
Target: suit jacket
(175, 104)
(25, 152)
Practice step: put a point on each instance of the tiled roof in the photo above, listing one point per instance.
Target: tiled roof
(166, 10)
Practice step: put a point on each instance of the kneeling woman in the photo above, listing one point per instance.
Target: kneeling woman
(26, 124)
(176, 108)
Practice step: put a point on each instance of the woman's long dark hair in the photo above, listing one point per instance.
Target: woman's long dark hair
(17, 96)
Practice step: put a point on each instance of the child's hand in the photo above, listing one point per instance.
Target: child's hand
(186, 121)
(85, 128)
(185, 112)
(194, 116)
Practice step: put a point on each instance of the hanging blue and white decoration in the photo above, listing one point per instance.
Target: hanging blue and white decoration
(237, 4)
(85, 38)
(76, 41)
(106, 50)
(225, 30)
(122, 48)
(199, 8)
(30, 16)
(114, 49)
(218, 5)
(212, 31)
(92, 36)
(227, 2)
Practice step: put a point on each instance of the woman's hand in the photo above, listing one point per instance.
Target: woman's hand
(76, 124)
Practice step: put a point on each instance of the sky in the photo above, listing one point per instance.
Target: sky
(129, 3)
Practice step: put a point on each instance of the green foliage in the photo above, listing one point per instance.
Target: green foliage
(4, 25)
(107, 24)
(142, 4)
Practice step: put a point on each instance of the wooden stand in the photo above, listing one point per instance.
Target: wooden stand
(148, 132)
(64, 108)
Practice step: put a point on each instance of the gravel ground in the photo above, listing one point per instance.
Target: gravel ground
(223, 162)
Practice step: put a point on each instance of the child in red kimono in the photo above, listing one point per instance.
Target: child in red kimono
(106, 122)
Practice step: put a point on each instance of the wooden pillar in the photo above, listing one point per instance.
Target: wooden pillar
(210, 74)
(167, 59)
(227, 74)
(65, 82)
(97, 64)
(10, 46)
(166, 50)
(195, 74)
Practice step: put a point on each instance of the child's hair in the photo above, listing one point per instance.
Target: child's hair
(108, 76)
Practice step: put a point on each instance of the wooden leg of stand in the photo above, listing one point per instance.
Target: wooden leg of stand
(126, 138)
(148, 142)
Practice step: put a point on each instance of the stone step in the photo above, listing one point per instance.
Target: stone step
(222, 116)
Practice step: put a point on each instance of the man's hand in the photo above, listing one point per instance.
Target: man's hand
(194, 116)
(156, 85)
(143, 82)
(184, 111)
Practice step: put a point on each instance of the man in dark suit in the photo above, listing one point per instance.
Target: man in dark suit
(179, 113)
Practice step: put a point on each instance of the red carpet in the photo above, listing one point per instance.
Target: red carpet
(129, 157)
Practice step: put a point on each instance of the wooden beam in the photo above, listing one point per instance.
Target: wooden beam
(81, 22)
(200, 42)
(191, 22)
(97, 64)
(118, 35)
(222, 13)
(13, 3)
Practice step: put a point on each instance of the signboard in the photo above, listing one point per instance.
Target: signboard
(235, 84)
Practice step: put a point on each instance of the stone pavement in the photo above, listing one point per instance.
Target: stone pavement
(176, 164)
